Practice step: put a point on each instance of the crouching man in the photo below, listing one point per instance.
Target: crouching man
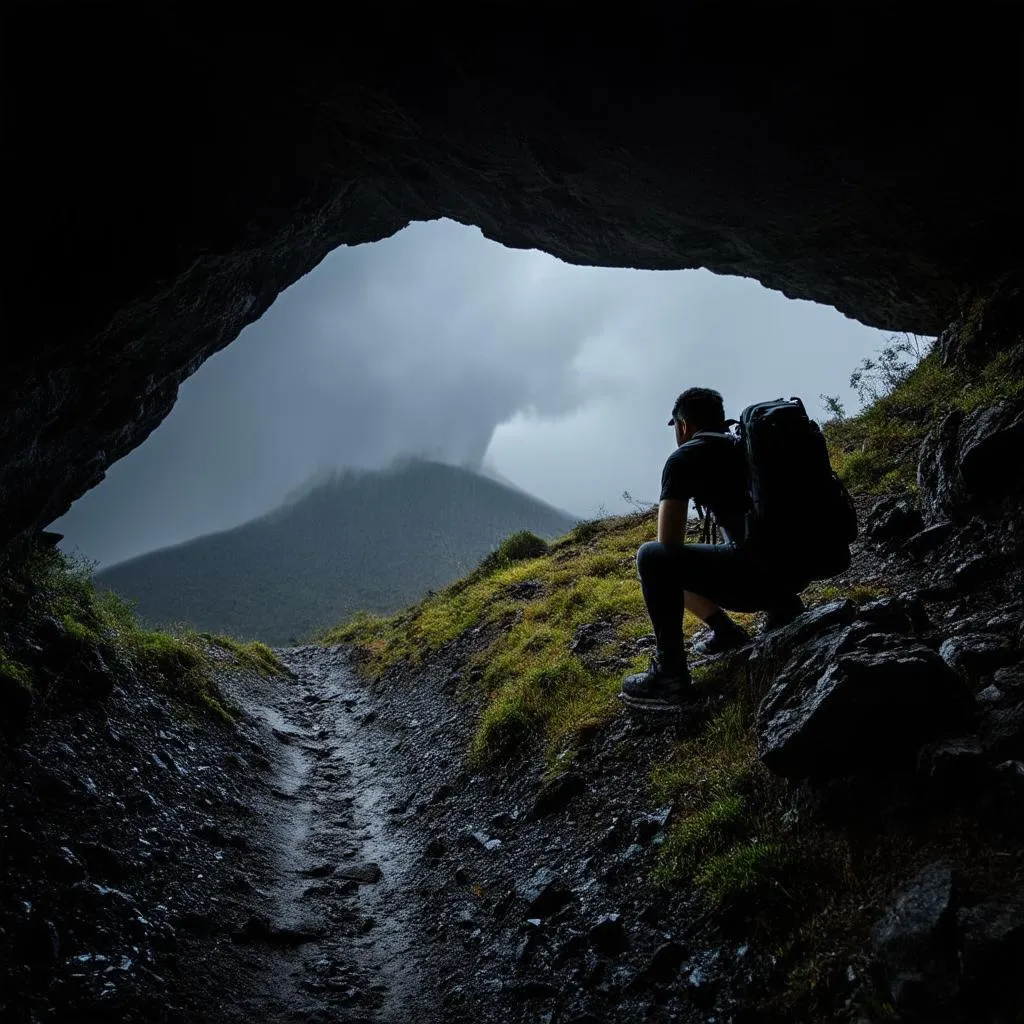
(708, 466)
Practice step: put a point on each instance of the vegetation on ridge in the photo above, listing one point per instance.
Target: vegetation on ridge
(88, 638)
(875, 451)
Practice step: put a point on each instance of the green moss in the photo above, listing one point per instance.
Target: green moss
(741, 875)
(860, 593)
(182, 666)
(255, 654)
(14, 673)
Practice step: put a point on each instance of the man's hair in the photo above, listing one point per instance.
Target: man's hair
(701, 407)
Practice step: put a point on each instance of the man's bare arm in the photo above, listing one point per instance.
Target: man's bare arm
(672, 521)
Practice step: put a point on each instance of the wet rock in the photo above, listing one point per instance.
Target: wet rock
(142, 802)
(258, 928)
(1010, 680)
(544, 893)
(929, 539)
(1002, 731)
(105, 862)
(555, 795)
(963, 461)
(607, 935)
(977, 569)
(649, 825)
(867, 709)
(771, 651)
(956, 763)
(574, 946)
(915, 941)
(896, 614)
(702, 976)
(666, 961)
(891, 519)
(368, 873)
(443, 792)
(993, 939)
(534, 989)
(973, 655)
(318, 871)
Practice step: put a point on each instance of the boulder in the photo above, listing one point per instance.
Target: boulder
(892, 519)
(773, 650)
(966, 463)
(928, 539)
(915, 941)
(973, 655)
(867, 708)
(1002, 732)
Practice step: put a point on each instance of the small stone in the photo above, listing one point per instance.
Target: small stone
(555, 795)
(543, 893)
(365, 874)
(435, 849)
(318, 871)
(666, 960)
(608, 935)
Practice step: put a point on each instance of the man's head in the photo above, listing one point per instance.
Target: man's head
(697, 409)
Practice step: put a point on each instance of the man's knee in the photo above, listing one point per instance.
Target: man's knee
(650, 558)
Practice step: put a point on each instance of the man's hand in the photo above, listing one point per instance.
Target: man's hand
(672, 521)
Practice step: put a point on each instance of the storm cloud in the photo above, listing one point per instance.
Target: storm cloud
(438, 342)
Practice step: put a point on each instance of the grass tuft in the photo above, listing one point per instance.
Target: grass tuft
(255, 654)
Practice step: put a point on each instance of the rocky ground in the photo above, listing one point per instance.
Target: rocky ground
(335, 857)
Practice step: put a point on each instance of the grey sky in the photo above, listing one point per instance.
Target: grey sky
(439, 342)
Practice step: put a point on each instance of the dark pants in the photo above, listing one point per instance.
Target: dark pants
(720, 572)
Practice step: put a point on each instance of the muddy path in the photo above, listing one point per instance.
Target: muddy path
(334, 930)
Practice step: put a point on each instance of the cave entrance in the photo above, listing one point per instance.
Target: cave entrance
(438, 343)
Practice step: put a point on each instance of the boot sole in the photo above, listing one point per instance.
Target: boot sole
(658, 707)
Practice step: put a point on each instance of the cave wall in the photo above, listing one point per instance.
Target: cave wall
(168, 175)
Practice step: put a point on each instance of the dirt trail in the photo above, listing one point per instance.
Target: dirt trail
(334, 927)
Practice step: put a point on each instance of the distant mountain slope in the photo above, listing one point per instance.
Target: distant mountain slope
(366, 541)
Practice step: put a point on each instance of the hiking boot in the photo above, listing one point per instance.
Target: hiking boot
(657, 689)
(783, 614)
(718, 643)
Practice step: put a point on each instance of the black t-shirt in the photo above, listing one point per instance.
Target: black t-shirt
(711, 469)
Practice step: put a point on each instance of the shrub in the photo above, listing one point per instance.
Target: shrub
(519, 547)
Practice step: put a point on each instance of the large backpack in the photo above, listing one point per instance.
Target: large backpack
(799, 514)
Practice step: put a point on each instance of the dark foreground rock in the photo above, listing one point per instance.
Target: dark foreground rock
(870, 708)
(916, 942)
